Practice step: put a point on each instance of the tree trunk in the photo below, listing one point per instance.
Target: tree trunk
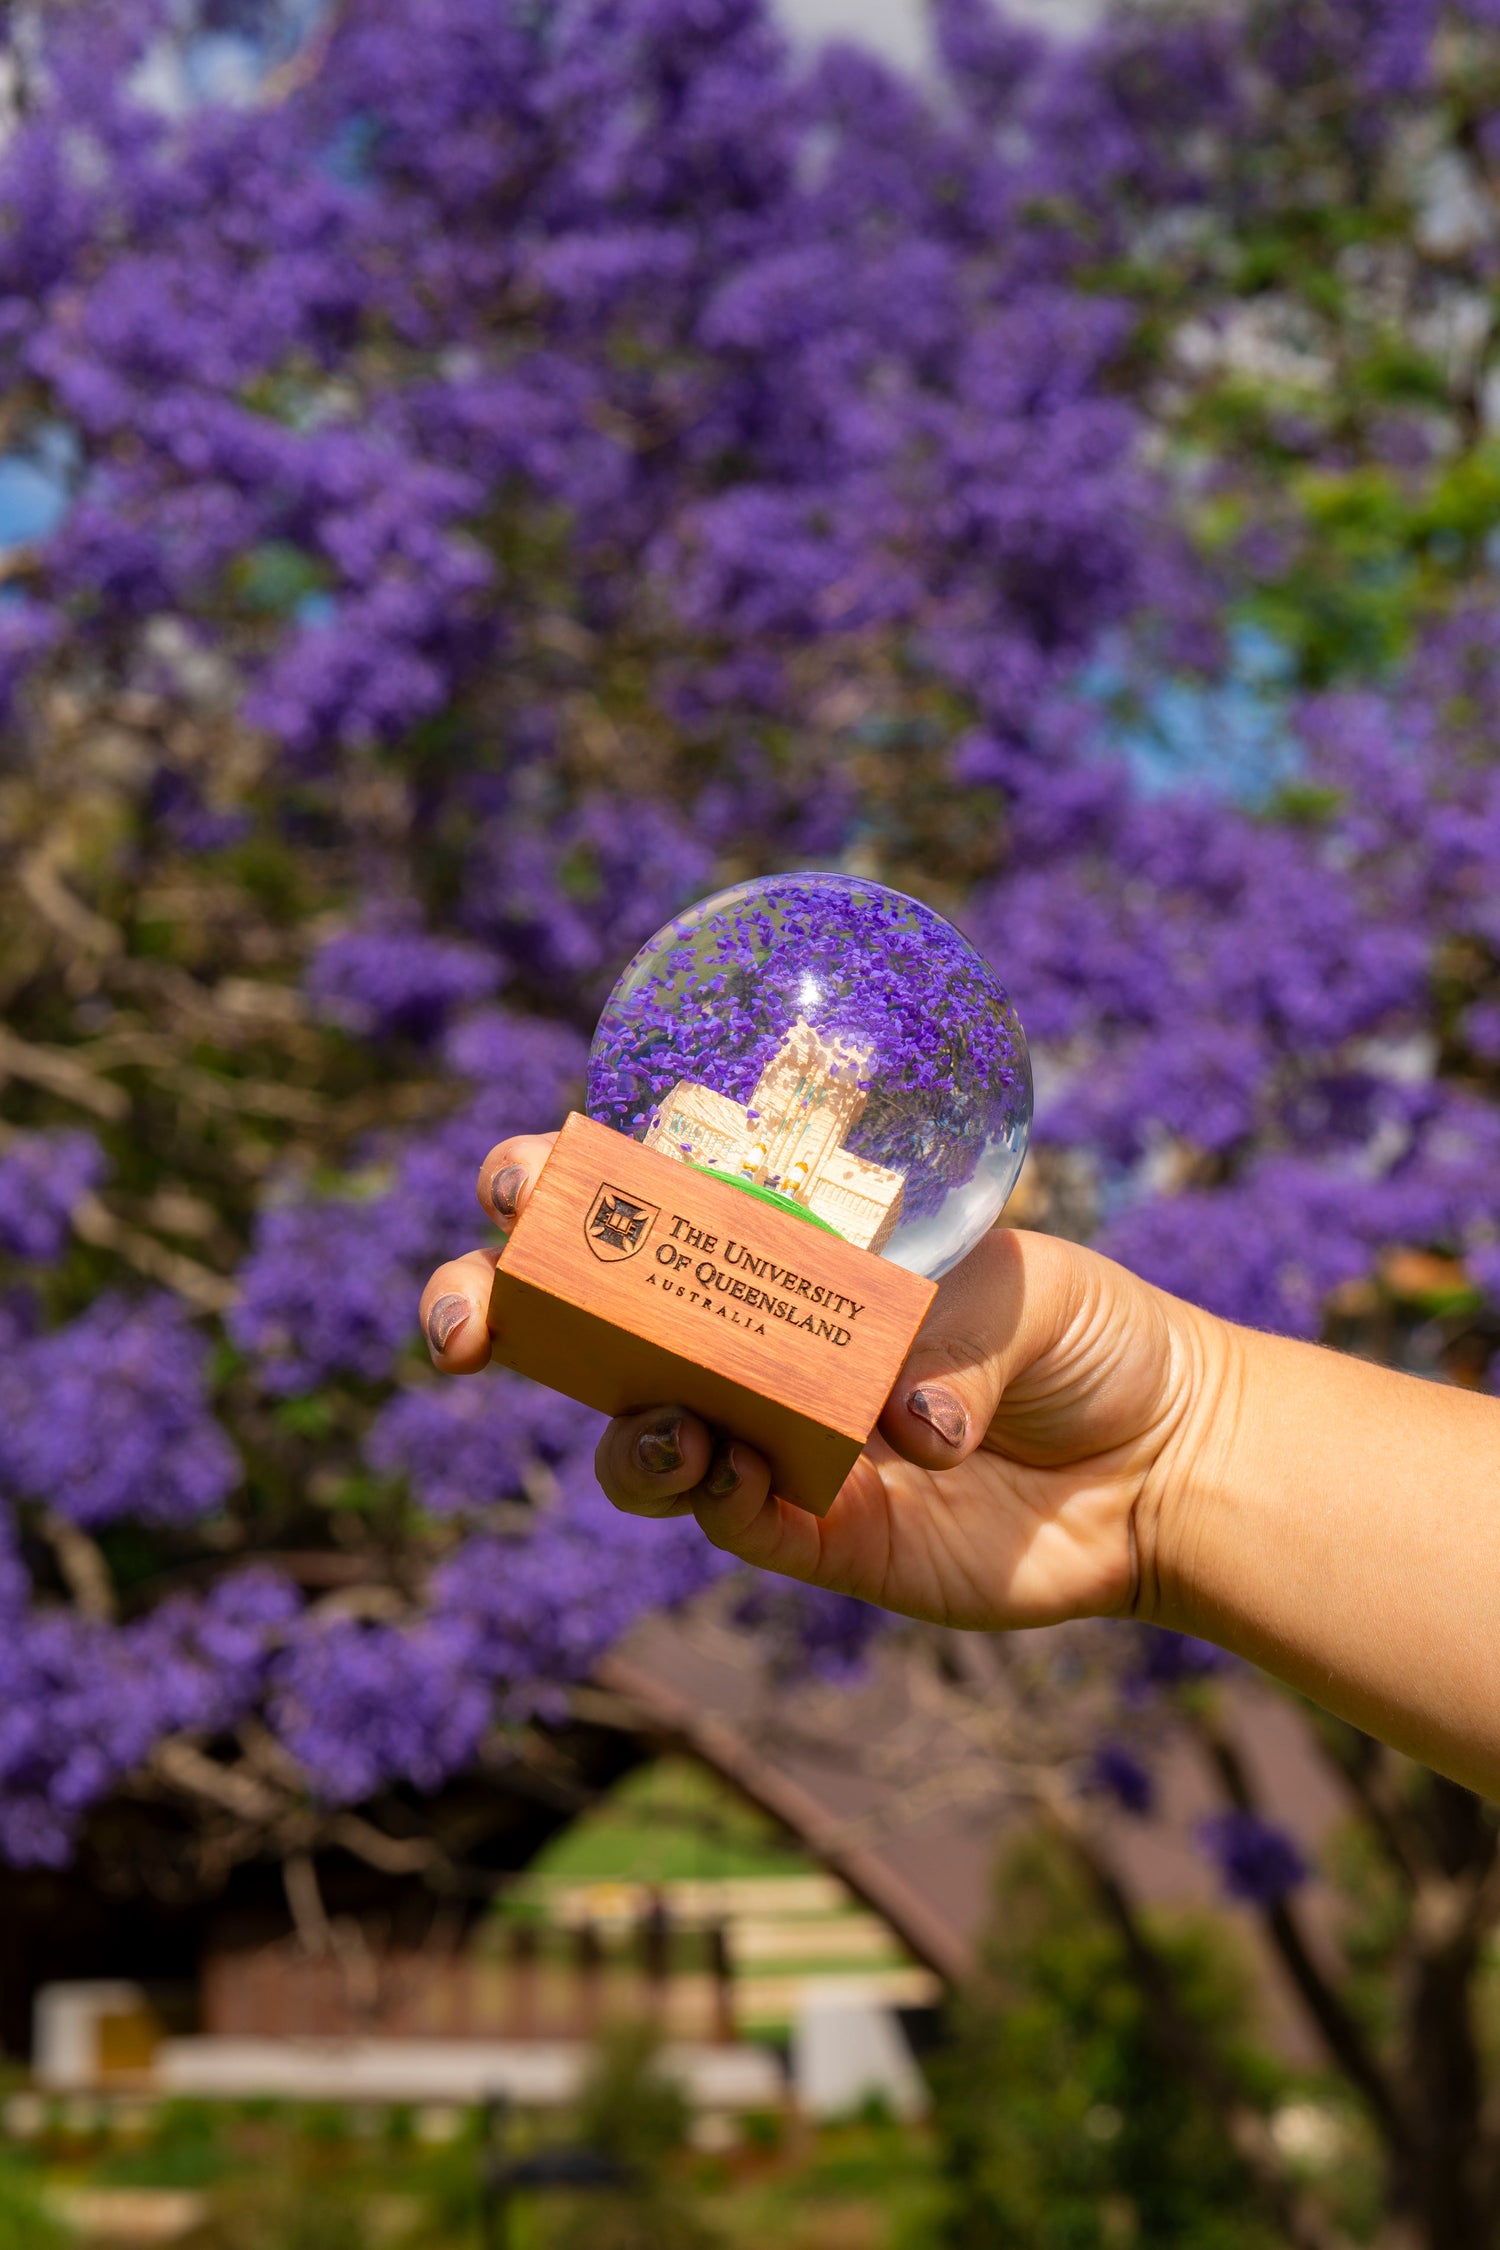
(1447, 2170)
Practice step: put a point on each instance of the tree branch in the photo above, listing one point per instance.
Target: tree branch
(191, 1083)
(189, 1769)
(304, 1900)
(205, 1290)
(1342, 2036)
(82, 1566)
(1303, 2227)
(1366, 1775)
(393, 1855)
(58, 1071)
(62, 909)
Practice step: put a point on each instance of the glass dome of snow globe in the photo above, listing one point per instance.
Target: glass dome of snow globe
(833, 1048)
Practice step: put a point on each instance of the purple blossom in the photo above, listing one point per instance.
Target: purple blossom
(1160, 1659)
(108, 1417)
(1383, 47)
(809, 1630)
(1115, 1771)
(73, 1721)
(84, 1703)
(326, 1291)
(722, 211)
(464, 1447)
(432, 1205)
(566, 903)
(43, 1178)
(204, 1660)
(1257, 1862)
(1294, 1232)
(363, 1705)
(533, 1067)
(392, 979)
(181, 808)
(542, 1609)
(989, 60)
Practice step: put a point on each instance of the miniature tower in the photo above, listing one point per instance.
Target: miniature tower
(807, 1100)
(790, 1135)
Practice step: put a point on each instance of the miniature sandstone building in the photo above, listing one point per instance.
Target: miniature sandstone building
(790, 1134)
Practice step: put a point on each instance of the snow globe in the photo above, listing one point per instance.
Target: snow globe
(832, 1047)
(808, 1098)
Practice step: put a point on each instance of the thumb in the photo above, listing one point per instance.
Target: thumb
(991, 1316)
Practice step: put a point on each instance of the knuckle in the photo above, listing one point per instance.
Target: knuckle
(955, 1352)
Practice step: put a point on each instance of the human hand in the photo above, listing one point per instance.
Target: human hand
(1019, 1467)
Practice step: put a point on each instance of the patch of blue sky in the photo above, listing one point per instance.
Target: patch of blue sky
(36, 486)
(191, 67)
(222, 67)
(1233, 735)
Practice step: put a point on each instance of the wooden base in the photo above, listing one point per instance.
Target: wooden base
(633, 1281)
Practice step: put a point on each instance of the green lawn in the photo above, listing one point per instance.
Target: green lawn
(287, 2179)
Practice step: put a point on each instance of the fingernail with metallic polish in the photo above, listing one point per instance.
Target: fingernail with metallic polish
(657, 1449)
(505, 1189)
(445, 1319)
(724, 1474)
(941, 1411)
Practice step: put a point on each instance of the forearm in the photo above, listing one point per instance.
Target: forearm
(1340, 1525)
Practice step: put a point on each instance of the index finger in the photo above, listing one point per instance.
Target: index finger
(508, 1175)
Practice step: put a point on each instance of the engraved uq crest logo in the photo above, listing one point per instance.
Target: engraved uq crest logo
(618, 1224)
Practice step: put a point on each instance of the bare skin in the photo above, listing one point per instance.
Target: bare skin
(1065, 1441)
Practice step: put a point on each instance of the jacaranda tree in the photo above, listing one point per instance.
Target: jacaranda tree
(513, 468)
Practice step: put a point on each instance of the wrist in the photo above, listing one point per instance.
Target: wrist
(1200, 1424)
